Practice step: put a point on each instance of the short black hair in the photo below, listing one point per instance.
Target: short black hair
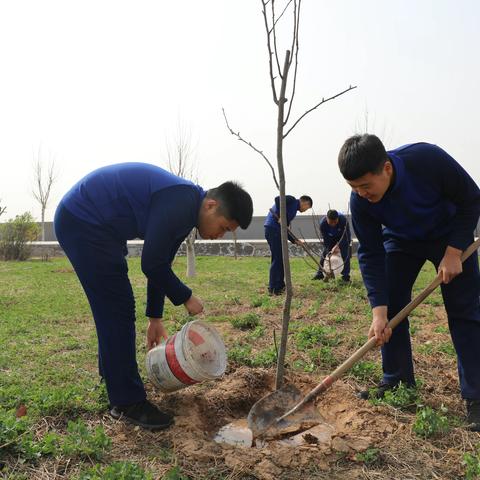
(234, 203)
(361, 154)
(306, 198)
(332, 214)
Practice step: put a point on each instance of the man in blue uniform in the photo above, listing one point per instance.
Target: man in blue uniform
(93, 222)
(276, 284)
(409, 205)
(336, 237)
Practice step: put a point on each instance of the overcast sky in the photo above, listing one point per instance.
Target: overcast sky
(93, 83)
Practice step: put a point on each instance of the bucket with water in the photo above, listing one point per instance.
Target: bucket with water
(194, 354)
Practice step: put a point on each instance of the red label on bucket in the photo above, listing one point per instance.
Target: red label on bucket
(174, 365)
(195, 337)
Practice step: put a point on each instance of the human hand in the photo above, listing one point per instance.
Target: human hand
(194, 306)
(335, 249)
(155, 333)
(378, 328)
(299, 241)
(451, 264)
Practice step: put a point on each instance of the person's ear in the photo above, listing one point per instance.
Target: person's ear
(388, 168)
(210, 204)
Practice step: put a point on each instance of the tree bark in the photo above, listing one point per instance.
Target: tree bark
(190, 244)
(283, 227)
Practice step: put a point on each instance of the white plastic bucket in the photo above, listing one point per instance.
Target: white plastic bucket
(194, 354)
(333, 264)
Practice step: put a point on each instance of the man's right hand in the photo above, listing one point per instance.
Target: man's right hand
(194, 306)
(379, 328)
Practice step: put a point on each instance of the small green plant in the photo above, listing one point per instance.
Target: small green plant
(448, 349)
(116, 471)
(429, 423)
(246, 322)
(472, 463)
(341, 318)
(265, 358)
(81, 442)
(401, 396)
(241, 355)
(441, 329)
(257, 332)
(314, 336)
(323, 356)
(369, 456)
(366, 371)
(256, 302)
(426, 348)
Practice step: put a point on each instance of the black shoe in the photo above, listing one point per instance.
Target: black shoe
(346, 279)
(473, 415)
(318, 276)
(144, 414)
(376, 392)
(276, 292)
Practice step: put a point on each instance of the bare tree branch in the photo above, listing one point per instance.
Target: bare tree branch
(275, 39)
(295, 47)
(270, 53)
(237, 134)
(324, 100)
(2, 209)
(280, 16)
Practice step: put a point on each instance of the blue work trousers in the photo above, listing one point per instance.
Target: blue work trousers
(277, 276)
(98, 258)
(461, 298)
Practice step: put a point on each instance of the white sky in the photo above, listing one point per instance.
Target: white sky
(101, 82)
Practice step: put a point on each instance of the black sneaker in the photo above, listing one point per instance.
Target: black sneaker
(144, 414)
(346, 279)
(318, 276)
(376, 392)
(473, 415)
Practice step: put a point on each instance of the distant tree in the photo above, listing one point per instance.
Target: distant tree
(42, 187)
(182, 162)
(15, 237)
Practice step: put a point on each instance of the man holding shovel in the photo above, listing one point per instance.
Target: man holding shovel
(276, 284)
(93, 222)
(409, 205)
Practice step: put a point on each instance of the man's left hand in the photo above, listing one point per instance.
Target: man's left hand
(451, 264)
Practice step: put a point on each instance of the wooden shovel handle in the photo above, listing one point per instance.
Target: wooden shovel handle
(367, 346)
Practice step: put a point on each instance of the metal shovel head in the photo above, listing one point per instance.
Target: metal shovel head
(263, 416)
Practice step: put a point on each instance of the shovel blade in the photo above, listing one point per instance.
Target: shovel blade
(263, 416)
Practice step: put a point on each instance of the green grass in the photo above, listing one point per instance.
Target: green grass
(49, 349)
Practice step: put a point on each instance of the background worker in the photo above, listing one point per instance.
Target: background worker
(336, 237)
(276, 285)
(93, 222)
(409, 205)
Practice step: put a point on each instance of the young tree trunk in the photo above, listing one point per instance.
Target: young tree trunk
(190, 244)
(43, 224)
(283, 226)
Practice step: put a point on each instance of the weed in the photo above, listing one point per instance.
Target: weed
(265, 358)
(257, 332)
(441, 329)
(246, 322)
(256, 302)
(472, 462)
(426, 348)
(323, 356)
(369, 456)
(82, 443)
(366, 371)
(448, 349)
(341, 318)
(116, 471)
(401, 396)
(315, 335)
(240, 355)
(429, 423)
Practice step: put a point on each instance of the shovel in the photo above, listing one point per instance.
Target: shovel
(285, 411)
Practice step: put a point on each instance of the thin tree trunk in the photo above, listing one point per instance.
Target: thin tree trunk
(283, 227)
(190, 244)
(43, 224)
